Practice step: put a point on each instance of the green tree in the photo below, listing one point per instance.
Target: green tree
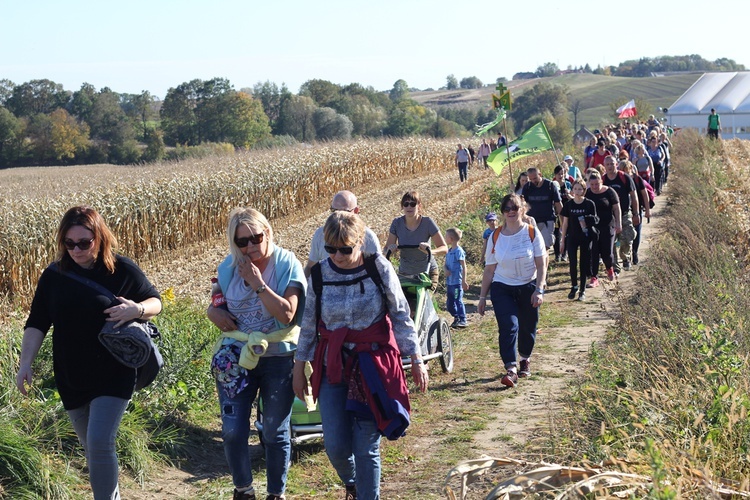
(57, 137)
(297, 118)
(82, 102)
(6, 90)
(11, 138)
(547, 69)
(400, 91)
(322, 92)
(37, 96)
(330, 125)
(544, 96)
(368, 119)
(244, 122)
(271, 97)
(140, 109)
(471, 82)
(451, 82)
(446, 128)
(154, 145)
(178, 118)
(410, 118)
(107, 119)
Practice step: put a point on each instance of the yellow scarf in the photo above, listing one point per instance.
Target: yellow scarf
(256, 343)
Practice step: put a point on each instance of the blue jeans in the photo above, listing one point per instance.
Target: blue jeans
(516, 319)
(352, 444)
(273, 378)
(455, 302)
(96, 425)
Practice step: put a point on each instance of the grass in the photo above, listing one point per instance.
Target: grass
(669, 394)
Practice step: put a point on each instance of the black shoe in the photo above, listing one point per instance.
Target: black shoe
(572, 294)
(248, 495)
(351, 492)
(635, 258)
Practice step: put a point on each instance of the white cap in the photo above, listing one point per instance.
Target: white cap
(567, 157)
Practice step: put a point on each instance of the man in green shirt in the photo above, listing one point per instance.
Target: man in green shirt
(714, 124)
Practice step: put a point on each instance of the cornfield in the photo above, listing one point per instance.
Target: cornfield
(155, 209)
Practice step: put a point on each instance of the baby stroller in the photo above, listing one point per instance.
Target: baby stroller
(433, 331)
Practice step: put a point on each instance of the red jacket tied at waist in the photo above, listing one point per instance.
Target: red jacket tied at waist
(378, 333)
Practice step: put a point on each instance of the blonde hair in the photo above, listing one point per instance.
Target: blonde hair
(344, 228)
(250, 218)
(455, 232)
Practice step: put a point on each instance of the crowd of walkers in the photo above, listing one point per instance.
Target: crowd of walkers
(344, 313)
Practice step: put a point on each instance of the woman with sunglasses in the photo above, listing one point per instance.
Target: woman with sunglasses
(264, 286)
(515, 277)
(94, 387)
(415, 230)
(357, 347)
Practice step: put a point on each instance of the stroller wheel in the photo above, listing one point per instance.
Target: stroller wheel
(445, 346)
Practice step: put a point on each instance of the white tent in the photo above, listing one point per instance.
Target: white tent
(728, 93)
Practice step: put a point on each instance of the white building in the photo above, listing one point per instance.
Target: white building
(728, 93)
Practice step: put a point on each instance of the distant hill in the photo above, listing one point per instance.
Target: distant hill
(594, 91)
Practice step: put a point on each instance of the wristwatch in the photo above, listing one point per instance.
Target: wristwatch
(540, 291)
(261, 289)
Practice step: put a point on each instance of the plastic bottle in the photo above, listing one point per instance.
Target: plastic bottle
(582, 222)
(217, 296)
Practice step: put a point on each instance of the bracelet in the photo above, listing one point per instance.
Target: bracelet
(416, 361)
(142, 310)
(482, 298)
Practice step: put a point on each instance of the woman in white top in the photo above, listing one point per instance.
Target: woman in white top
(515, 276)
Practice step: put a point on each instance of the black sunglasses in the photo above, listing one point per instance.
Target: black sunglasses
(510, 208)
(409, 204)
(343, 250)
(82, 244)
(255, 239)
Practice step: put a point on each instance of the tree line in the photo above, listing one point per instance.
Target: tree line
(41, 123)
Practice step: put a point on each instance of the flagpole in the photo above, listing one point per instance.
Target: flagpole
(507, 152)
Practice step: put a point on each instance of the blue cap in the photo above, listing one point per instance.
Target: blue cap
(490, 216)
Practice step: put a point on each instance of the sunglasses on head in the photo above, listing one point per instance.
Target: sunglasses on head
(82, 244)
(255, 239)
(409, 204)
(343, 250)
(510, 208)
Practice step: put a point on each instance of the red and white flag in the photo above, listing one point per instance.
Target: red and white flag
(627, 110)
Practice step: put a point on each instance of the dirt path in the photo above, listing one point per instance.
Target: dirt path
(518, 415)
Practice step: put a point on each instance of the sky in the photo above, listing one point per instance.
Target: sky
(137, 45)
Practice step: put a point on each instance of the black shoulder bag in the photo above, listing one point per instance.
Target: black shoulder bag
(132, 344)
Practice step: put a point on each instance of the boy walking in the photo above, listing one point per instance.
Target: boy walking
(455, 277)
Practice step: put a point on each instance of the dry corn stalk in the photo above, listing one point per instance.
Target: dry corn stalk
(562, 482)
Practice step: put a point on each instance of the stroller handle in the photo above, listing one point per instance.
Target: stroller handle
(388, 252)
(429, 254)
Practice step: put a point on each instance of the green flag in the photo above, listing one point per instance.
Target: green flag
(484, 128)
(533, 141)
